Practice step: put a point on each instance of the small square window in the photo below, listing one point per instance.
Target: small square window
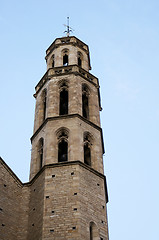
(53, 175)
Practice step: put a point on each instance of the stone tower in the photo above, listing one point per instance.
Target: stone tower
(67, 145)
(66, 196)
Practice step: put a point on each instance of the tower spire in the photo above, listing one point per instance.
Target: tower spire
(69, 29)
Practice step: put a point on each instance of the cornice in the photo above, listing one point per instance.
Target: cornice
(53, 165)
(67, 41)
(66, 117)
(63, 71)
(70, 163)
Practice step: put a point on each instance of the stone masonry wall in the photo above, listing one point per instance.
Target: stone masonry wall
(81, 199)
(59, 203)
(13, 217)
(35, 218)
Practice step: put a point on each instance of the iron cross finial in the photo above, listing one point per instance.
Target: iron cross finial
(69, 29)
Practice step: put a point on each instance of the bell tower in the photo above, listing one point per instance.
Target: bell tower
(69, 193)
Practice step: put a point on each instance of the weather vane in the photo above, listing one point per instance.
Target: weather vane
(69, 29)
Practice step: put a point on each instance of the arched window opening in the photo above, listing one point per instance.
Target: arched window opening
(85, 102)
(87, 155)
(53, 61)
(79, 58)
(87, 149)
(90, 230)
(65, 60)
(44, 103)
(79, 62)
(65, 57)
(63, 146)
(63, 99)
(41, 152)
(63, 151)
(93, 231)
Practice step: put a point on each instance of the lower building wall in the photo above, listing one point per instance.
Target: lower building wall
(36, 205)
(61, 202)
(74, 197)
(13, 218)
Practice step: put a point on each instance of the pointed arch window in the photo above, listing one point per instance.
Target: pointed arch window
(85, 101)
(53, 61)
(41, 152)
(87, 148)
(63, 146)
(63, 105)
(79, 59)
(93, 231)
(44, 100)
(65, 57)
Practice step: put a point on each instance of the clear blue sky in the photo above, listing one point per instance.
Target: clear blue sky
(123, 36)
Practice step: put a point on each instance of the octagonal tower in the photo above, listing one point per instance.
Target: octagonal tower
(69, 194)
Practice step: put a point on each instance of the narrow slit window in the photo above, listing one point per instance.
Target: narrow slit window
(64, 102)
(41, 152)
(62, 136)
(91, 235)
(65, 60)
(93, 231)
(85, 102)
(44, 104)
(87, 148)
(79, 61)
(53, 61)
(87, 155)
(62, 151)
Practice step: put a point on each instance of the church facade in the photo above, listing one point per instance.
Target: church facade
(66, 196)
